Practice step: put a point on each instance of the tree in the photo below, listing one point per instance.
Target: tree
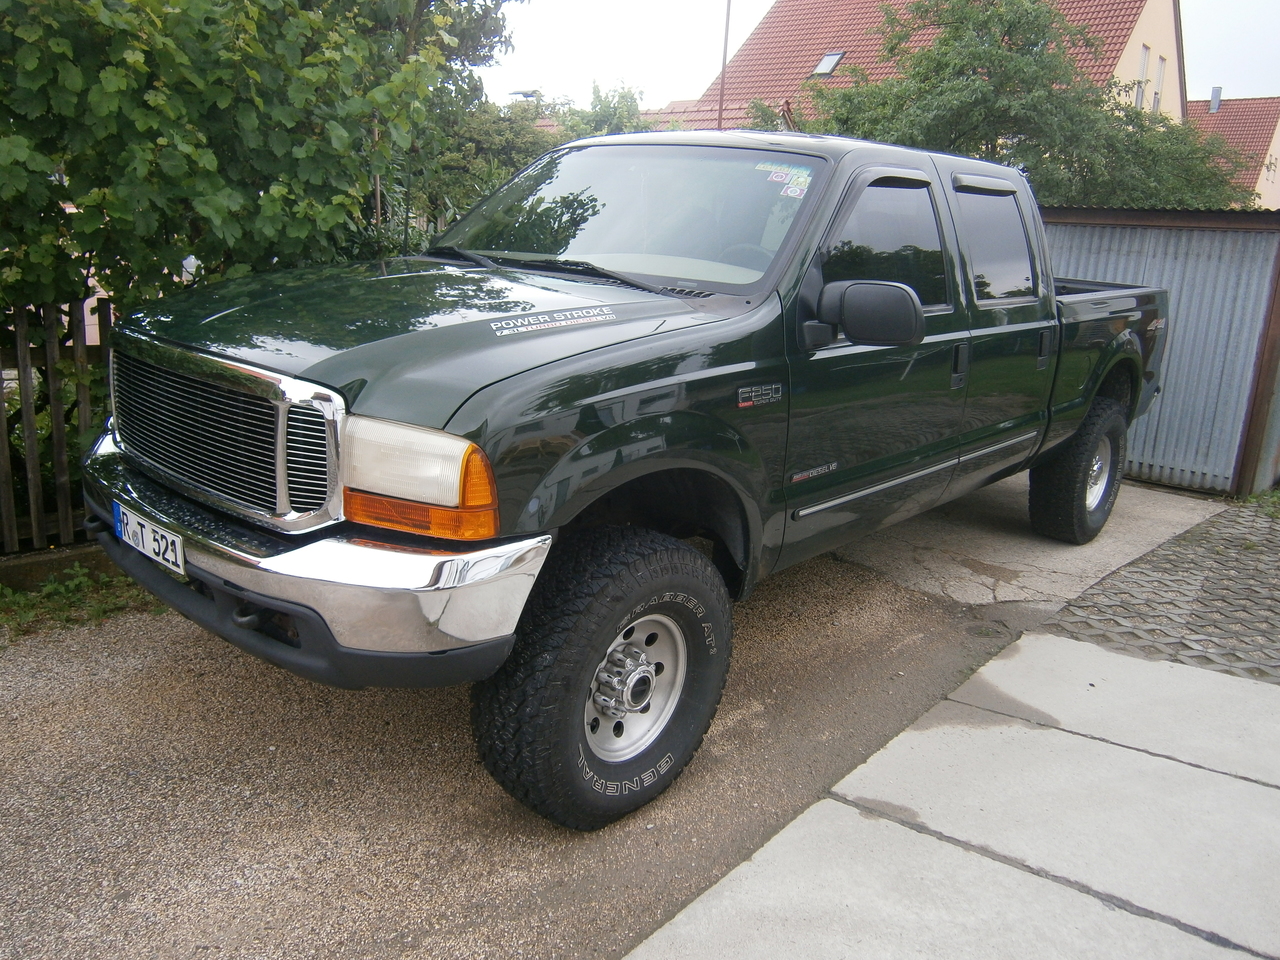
(614, 111)
(480, 148)
(1001, 80)
(135, 134)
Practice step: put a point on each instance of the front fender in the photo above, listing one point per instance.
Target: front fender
(561, 436)
(671, 441)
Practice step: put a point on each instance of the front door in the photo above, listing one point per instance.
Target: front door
(874, 430)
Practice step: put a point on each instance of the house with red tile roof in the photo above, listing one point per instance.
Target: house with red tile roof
(1252, 126)
(799, 40)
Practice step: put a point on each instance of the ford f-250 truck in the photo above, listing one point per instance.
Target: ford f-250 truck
(548, 454)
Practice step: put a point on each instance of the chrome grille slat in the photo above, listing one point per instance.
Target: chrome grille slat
(247, 405)
(140, 417)
(222, 430)
(306, 436)
(227, 424)
(221, 441)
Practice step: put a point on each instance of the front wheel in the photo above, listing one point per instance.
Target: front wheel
(1073, 493)
(620, 660)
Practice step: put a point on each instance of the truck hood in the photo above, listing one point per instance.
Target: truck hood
(409, 339)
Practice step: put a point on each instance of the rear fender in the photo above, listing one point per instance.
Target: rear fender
(1123, 350)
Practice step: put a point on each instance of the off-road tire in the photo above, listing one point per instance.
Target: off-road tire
(1068, 501)
(528, 718)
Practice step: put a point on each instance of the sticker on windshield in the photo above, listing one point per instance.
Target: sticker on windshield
(548, 321)
(793, 175)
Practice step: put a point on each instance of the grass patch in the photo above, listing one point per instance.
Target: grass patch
(1269, 502)
(72, 597)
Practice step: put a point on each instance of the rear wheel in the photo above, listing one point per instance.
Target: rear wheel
(1072, 494)
(620, 659)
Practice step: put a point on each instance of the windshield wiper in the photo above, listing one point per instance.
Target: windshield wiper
(586, 268)
(459, 254)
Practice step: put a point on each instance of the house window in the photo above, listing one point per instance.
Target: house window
(827, 65)
(1155, 97)
(1140, 92)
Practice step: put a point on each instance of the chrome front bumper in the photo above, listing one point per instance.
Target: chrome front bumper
(387, 602)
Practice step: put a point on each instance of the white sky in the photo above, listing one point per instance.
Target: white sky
(670, 49)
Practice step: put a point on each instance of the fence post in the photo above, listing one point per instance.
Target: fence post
(57, 422)
(80, 354)
(30, 439)
(104, 325)
(8, 509)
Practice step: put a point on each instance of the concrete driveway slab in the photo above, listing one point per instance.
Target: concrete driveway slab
(1183, 842)
(838, 883)
(1217, 721)
(980, 548)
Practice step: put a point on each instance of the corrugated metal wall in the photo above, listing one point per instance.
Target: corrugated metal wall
(1219, 284)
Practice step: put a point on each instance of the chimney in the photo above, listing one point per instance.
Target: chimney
(1215, 101)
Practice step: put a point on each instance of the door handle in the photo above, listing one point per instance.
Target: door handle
(960, 365)
(1046, 347)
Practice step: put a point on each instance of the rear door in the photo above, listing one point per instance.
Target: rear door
(1012, 320)
(875, 430)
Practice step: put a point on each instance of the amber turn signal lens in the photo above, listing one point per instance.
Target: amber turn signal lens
(477, 488)
(407, 515)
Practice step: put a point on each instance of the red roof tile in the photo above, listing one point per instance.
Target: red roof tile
(794, 35)
(1248, 124)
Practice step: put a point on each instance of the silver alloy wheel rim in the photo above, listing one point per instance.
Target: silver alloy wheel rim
(616, 738)
(1099, 474)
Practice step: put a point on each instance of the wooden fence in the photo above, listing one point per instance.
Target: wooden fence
(54, 403)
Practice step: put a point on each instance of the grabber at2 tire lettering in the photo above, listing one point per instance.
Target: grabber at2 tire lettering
(620, 659)
(1072, 494)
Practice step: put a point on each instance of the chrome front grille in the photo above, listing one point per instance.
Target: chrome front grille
(219, 442)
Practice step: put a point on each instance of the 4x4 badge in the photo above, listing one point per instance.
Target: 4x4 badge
(760, 394)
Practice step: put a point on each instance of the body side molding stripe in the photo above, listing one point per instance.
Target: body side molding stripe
(877, 488)
(828, 504)
(1000, 446)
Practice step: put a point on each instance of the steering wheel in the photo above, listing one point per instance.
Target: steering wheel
(749, 255)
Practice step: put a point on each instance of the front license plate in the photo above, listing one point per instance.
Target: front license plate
(162, 546)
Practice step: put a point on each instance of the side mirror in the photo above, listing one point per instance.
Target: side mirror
(873, 312)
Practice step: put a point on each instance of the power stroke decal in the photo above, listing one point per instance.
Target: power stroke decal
(548, 321)
(759, 395)
(613, 788)
(814, 472)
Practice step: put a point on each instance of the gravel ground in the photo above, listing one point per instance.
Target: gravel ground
(164, 795)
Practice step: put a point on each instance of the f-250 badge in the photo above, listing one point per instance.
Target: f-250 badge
(758, 395)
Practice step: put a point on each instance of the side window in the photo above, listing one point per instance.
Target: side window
(891, 234)
(997, 244)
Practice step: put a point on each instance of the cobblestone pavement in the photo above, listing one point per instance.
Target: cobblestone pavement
(1210, 598)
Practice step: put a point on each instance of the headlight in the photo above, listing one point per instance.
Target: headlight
(416, 479)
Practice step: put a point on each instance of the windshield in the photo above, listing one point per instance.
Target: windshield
(691, 216)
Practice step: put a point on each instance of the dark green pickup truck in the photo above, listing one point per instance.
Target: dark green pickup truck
(548, 454)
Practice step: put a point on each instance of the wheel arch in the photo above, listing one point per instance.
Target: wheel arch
(682, 498)
(1121, 381)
